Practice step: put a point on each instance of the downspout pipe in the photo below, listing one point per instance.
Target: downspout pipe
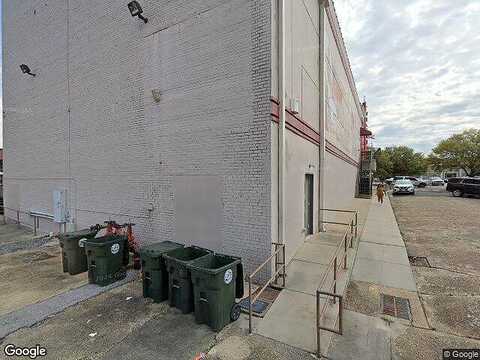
(322, 6)
(281, 123)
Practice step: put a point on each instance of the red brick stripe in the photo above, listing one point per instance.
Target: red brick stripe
(299, 127)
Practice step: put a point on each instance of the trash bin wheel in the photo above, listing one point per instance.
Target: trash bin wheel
(235, 312)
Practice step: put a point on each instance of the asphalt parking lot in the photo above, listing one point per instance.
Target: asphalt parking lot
(118, 324)
(70, 319)
(441, 233)
(433, 191)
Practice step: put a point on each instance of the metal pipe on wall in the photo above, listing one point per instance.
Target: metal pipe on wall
(281, 122)
(322, 5)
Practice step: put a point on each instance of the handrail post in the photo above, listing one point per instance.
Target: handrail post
(318, 324)
(284, 266)
(18, 218)
(345, 250)
(340, 314)
(250, 305)
(275, 281)
(335, 278)
(34, 226)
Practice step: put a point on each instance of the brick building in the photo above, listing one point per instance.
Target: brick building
(221, 123)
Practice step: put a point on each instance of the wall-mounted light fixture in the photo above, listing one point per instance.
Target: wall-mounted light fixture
(26, 70)
(136, 10)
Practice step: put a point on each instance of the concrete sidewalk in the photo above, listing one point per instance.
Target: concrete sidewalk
(381, 266)
(382, 256)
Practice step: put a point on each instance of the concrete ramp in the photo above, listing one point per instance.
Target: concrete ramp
(292, 317)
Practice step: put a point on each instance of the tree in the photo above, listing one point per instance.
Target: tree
(399, 160)
(459, 151)
(384, 165)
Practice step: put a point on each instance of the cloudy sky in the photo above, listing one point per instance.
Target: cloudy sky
(417, 62)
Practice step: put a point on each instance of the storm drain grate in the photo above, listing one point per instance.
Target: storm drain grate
(419, 261)
(259, 306)
(396, 306)
(262, 304)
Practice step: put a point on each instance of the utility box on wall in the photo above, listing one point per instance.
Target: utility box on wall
(60, 206)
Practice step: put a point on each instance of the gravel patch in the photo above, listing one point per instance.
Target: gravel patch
(421, 344)
(446, 231)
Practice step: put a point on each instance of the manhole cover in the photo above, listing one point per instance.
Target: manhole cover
(419, 261)
(396, 306)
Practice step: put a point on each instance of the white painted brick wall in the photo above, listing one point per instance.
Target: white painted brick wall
(125, 149)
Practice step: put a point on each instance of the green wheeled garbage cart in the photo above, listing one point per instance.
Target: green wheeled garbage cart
(74, 259)
(217, 280)
(154, 272)
(105, 258)
(180, 290)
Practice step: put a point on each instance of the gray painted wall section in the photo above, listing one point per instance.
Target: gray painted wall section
(302, 78)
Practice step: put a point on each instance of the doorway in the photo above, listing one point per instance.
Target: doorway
(308, 204)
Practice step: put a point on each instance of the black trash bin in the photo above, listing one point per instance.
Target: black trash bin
(217, 280)
(154, 272)
(105, 257)
(180, 291)
(74, 259)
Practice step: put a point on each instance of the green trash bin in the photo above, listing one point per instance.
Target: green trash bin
(217, 280)
(105, 258)
(180, 291)
(74, 259)
(154, 272)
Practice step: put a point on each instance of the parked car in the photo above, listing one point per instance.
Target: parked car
(464, 186)
(415, 181)
(391, 180)
(403, 186)
(436, 181)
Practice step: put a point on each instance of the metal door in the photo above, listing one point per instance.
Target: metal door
(309, 203)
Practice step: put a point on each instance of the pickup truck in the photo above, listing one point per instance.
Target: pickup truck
(464, 186)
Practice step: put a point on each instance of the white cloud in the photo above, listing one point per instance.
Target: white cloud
(417, 63)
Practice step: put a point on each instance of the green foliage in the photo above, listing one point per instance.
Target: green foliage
(384, 165)
(458, 151)
(399, 160)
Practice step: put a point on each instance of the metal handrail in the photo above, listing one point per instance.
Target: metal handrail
(355, 216)
(18, 211)
(251, 301)
(341, 252)
(36, 215)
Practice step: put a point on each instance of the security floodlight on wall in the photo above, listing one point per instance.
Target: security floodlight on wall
(26, 70)
(136, 10)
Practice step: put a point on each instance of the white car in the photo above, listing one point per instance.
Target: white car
(403, 186)
(415, 181)
(437, 181)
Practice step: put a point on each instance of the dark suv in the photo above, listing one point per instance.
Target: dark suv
(461, 186)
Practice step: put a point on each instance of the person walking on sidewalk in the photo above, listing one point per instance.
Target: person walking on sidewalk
(380, 192)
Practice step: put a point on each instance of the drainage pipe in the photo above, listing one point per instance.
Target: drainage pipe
(322, 7)
(281, 122)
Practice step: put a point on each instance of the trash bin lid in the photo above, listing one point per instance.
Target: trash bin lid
(75, 235)
(105, 240)
(215, 263)
(186, 255)
(160, 248)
